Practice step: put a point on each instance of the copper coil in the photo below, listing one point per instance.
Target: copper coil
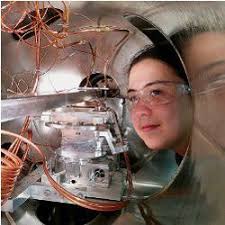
(10, 169)
(12, 164)
(25, 170)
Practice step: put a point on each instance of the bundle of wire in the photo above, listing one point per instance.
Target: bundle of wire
(35, 18)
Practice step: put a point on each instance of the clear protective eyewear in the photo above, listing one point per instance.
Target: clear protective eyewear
(158, 93)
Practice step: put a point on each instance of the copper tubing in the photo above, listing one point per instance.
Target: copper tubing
(27, 164)
(66, 194)
(37, 58)
(10, 169)
(36, 22)
(129, 174)
(54, 38)
(16, 144)
(12, 164)
(9, 218)
(147, 214)
(30, 134)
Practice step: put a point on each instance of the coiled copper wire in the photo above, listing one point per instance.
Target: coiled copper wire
(12, 164)
(62, 191)
(10, 170)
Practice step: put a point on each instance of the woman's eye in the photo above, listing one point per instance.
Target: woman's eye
(133, 99)
(155, 92)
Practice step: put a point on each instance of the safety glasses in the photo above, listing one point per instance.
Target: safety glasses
(158, 93)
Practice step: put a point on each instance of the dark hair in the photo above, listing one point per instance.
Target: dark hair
(163, 52)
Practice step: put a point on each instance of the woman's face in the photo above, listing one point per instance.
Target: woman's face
(162, 126)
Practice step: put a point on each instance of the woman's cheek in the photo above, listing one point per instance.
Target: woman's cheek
(134, 116)
(170, 117)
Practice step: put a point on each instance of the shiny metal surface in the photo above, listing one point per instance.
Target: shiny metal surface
(86, 162)
(14, 108)
(196, 195)
(32, 211)
(149, 180)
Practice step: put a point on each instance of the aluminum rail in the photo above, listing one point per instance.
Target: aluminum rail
(14, 108)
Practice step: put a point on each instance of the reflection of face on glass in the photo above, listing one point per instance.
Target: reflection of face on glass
(203, 52)
(160, 105)
(204, 57)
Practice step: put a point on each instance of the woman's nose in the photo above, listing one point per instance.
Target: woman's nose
(141, 109)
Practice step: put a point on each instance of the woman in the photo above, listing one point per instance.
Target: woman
(160, 100)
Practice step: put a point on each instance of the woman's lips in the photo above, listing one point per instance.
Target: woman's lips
(149, 127)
